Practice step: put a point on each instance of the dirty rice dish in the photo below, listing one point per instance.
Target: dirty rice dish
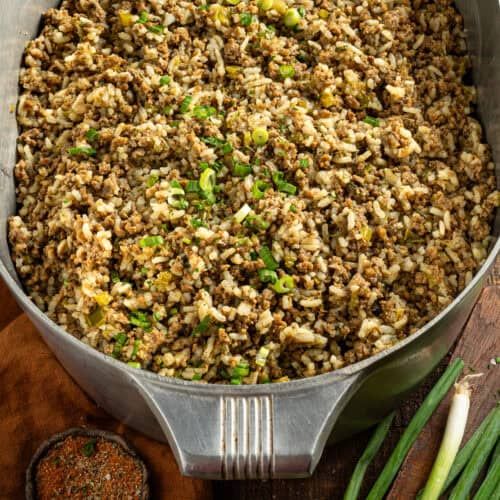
(249, 192)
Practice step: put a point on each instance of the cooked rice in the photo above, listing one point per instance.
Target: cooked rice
(369, 120)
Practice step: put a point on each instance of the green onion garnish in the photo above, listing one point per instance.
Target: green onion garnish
(134, 364)
(261, 358)
(259, 189)
(165, 80)
(282, 185)
(135, 350)
(202, 327)
(268, 276)
(204, 112)
(285, 284)
(152, 180)
(224, 146)
(120, 340)
(208, 180)
(304, 163)
(192, 187)
(260, 136)
(157, 29)
(241, 370)
(241, 169)
(140, 319)
(82, 151)
(186, 104)
(267, 257)
(143, 17)
(115, 277)
(151, 241)
(256, 222)
(197, 376)
(291, 18)
(88, 449)
(196, 223)
(370, 120)
(92, 134)
(246, 19)
(287, 71)
(242, 213)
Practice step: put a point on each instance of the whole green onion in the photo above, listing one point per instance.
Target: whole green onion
(267, 256)
(411, 433)
(371, 450)
(490, 488)
(478, 459)
(465, 453)
(453, 435)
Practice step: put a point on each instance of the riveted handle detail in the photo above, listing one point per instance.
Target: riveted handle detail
(222, 433)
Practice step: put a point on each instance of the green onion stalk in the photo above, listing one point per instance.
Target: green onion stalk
(453, 435)
(411, 433)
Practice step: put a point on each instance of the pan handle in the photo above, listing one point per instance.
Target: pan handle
(246, 432)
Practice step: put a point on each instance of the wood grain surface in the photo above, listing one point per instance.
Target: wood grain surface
(479, 342)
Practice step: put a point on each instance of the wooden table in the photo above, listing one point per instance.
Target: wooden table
(335, 468)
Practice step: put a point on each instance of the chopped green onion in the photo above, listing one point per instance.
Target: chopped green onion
(143, 18)
(352, 492)
(240, 371)
(257, 222)
(287, 71)
(260, 136)
(267, 257)
(268, 276)
(120, 340)
(304, 163)
(301, 11)
(140, 319)
(261, 358)
(135, 350)
(92, 134)
(134, 364)
(186, 104)
(196, 223)
(241, 169)
(158, 29)
(151, 241)
(285, 284)
(370, 120)
(202, 327)
(193, 187)
(197, 376)
(88, 449)
(241, 214)
(165, 80)
(152, 180)
(246, 19)
(293, 208)
(82, 151)
(115, 277)
(224, 146)
(207, 180)
(282, 185)
(204, 112)
(259, 189)
(291, 18)
(411, 433)
(96, 317)
(454, 432)
(265, 4)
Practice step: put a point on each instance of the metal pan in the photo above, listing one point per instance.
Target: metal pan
(238, 432)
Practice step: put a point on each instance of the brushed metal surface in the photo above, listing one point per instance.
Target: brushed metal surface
(247, 431)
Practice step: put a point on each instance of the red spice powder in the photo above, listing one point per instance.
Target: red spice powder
(83, 467)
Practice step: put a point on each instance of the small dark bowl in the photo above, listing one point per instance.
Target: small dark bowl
(46, 446)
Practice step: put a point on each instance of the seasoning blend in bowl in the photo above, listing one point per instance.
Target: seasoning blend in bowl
(81, 463)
